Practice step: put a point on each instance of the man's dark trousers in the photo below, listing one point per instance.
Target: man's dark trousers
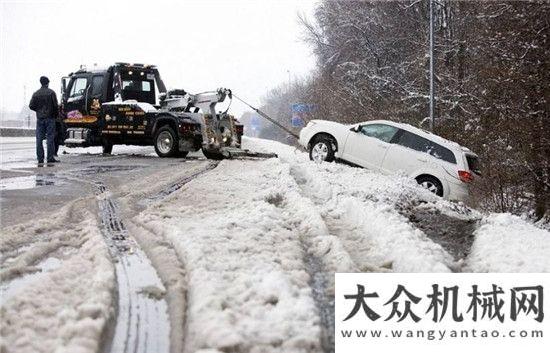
(45, 129)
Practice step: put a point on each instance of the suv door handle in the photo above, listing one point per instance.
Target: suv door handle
(382, 145)
(422, 159)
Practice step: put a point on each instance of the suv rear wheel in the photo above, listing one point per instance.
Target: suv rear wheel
(166, 142)
(321, 149)
(431, 184)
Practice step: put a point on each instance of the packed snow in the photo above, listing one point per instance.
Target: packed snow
(361, 201)
(247, 284)
(507, 243)
(358, 205)
(61, 308)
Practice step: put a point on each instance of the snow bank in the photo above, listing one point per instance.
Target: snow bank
(506, 243)
(359, 207)
(67, 308)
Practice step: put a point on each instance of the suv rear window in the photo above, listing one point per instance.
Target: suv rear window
(473, 164)
(421, 144)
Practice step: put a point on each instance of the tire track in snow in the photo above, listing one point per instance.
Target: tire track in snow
(180, 183)
(142, 322)
(319, 282)
(454, 234)
(176, 295)
(334, 227)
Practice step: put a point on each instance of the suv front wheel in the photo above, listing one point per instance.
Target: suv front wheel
(321, 150)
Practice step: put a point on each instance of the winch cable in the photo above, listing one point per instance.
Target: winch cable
(229, 106)
(267, 117)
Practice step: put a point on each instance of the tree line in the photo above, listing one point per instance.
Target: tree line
(491, 78)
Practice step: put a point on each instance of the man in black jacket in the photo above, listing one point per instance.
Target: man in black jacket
(44, 103)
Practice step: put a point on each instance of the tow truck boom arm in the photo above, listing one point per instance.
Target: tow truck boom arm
(206, 101)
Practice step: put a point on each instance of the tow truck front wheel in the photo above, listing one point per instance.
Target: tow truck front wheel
(166, 142)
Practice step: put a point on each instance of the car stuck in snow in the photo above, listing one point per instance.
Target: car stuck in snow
(443, 167)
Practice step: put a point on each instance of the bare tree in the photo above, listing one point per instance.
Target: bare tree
(492, 79)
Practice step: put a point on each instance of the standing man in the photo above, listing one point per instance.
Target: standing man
(44, 103)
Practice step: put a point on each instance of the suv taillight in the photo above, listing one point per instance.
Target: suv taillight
(465, 176)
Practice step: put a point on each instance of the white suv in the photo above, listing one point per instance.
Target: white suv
(441, 166)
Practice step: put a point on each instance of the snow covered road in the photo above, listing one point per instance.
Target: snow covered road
(242, 252)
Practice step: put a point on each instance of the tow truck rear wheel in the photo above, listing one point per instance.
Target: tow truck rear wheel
(107, 147)
(212, 155)
(166, 142)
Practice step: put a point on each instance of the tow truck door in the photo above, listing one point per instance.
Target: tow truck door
(96, 94)
(74, 100)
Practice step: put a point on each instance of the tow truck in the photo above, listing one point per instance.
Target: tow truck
(129, 104)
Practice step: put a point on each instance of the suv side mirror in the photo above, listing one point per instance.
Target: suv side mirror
(355, 128)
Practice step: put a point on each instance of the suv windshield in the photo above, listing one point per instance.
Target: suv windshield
(379, 131)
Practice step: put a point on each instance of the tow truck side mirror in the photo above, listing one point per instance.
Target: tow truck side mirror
(63, 87)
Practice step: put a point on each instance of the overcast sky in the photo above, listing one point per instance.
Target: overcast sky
(249, 46)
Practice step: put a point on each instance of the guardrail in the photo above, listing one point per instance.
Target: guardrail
(16, 132)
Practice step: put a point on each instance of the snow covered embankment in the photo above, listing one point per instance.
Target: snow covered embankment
(506, 243)
(66, 306)
(358, 206)
(361, 206)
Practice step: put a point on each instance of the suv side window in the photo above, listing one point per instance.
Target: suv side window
(379, 131)
(78, 88)
(417, 143)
